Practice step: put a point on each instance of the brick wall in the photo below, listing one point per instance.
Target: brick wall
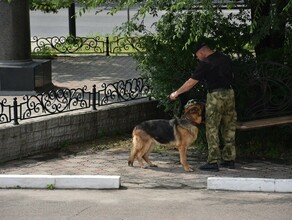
(51, 132)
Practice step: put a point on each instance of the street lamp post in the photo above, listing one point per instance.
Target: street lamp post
(72, 20)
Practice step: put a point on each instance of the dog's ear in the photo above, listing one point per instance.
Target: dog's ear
(195, 108)
(187, 109)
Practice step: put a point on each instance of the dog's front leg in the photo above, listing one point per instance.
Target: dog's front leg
(183, 158)
(140, 162)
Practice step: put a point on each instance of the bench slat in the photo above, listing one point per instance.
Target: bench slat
(266, 122)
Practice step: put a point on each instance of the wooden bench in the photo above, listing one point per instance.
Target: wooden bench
(262, 123)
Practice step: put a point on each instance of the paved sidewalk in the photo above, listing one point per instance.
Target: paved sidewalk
(169, 173)
(74, 72)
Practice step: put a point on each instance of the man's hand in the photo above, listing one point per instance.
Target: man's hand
(185, 87)
(173, 95)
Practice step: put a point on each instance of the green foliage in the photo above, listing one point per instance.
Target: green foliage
(165, 65)
(271, 29)
(50, 5)
(167, 57)
(51, 186)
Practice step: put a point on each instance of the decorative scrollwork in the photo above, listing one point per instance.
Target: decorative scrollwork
(69, 44)
(5, 112)
(65, 100)
(268, 91)
(125, 45)
(123, 91)
(53, 102)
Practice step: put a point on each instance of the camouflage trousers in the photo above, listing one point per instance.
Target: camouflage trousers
(221, 119)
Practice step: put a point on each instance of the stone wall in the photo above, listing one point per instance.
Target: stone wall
(52, 132)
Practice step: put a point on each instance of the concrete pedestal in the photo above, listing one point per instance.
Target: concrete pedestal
(18, 72)
(25, 76)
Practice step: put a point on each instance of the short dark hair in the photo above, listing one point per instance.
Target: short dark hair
(198, 46)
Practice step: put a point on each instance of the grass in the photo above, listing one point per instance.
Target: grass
(44, 53)
(51, 186)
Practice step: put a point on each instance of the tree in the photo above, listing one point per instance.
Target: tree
(168, 59)
(54, 5)
(271, 28)
(270, 19)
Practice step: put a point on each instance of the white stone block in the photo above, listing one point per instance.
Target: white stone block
(87, 182)
(283, 185)
(241, 184)
(60, 181)
(26, 181)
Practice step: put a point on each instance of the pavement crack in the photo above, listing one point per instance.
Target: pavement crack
(78, 213)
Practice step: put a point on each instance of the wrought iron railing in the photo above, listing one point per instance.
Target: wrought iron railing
(66, 100)
(264, 90)
(86, 45)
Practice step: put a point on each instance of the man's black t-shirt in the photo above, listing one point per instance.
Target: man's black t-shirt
(215, 70)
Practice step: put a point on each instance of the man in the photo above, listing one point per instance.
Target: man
(215, 69)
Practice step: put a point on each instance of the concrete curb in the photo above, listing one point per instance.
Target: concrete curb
(249, 184)
(60, 181)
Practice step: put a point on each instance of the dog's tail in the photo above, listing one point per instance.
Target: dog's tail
(132, 156)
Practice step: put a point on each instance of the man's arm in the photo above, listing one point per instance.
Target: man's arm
(190, 83)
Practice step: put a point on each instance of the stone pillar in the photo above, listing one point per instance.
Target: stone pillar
(15, 36)
(18, 72)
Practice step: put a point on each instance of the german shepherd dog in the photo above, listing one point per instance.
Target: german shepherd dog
(180, 132)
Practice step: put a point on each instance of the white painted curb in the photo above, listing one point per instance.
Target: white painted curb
(249, 184)
(60, 181)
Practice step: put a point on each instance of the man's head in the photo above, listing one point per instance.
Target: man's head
(202, 50)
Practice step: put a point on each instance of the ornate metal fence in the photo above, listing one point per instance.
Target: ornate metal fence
(264, 90)
(86, 45)
(66, 100)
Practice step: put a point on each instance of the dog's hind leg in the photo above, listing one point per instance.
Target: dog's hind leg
(136, 147)
(146, 156)
(144, 153)
(136, 153)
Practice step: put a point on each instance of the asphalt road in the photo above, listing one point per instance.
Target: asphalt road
(143, 204)
(50, 24)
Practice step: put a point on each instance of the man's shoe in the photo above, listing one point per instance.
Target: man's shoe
(210, 167)
(228, 164)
